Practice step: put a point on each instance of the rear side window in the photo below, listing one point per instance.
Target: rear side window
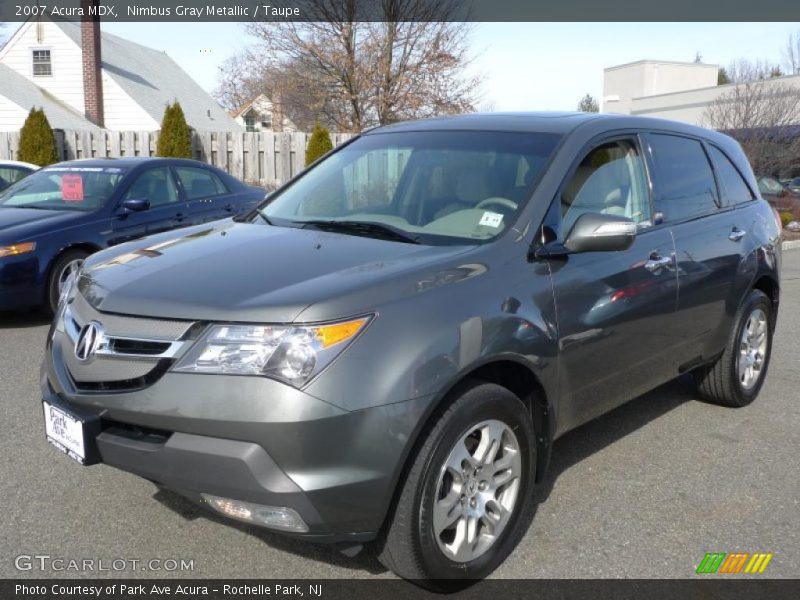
(686, 185)
(732, 186)
(200, 183)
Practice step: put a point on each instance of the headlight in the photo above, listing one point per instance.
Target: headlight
(16, 249)
(293, 354)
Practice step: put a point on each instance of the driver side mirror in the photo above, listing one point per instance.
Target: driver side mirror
(135, 204)
(593, 232)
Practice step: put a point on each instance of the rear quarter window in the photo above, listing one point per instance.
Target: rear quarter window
(685, 184)
(732, 185)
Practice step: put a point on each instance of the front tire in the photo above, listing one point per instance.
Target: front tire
(736, 377)
(467, 498)
(63, 268)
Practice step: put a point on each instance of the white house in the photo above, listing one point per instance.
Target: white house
(87, 79)
(260, 114)
(670, 90)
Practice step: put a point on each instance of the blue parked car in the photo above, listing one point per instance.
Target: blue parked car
(56, 217)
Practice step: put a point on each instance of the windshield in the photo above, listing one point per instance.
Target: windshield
(63, 188)
(441, 187)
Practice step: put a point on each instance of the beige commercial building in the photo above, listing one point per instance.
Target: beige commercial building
(671, 90)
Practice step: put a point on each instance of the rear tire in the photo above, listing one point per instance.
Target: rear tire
(736, 377)
(490, 501)
(64, 265)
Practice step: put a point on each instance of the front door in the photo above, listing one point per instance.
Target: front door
(166, 210)
(615, 310)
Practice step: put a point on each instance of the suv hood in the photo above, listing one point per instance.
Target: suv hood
(249, 272)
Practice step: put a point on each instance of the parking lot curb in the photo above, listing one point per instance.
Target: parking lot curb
(793, 245)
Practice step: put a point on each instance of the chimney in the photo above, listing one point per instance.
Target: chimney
(91, 60)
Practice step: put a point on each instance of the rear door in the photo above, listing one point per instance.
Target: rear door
(615, 310)
(207, 195)
(167, 210)
(708, 241)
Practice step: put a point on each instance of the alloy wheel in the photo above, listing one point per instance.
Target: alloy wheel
(752, 349)
(477, 491)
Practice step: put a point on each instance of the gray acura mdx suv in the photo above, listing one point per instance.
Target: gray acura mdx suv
(387, 348)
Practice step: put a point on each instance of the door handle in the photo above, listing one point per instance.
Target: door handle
(180, 217)
(656, 263)
(229, 207)
(736, 234)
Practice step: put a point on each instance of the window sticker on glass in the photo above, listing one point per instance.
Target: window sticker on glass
(491, 219)
(72, 188)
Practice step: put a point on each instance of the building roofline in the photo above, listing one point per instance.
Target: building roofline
(724, 86)
(660, 62)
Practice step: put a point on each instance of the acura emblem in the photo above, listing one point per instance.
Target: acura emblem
(89, 341)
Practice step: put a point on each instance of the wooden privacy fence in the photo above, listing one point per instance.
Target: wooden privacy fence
(265, 158)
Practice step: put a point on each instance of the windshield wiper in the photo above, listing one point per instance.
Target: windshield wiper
(264, 217)
(368, 228)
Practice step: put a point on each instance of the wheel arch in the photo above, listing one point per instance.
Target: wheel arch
(510, 372)
(87, 247)
(770, 286)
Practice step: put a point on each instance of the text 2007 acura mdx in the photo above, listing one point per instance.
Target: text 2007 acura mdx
(388, 347)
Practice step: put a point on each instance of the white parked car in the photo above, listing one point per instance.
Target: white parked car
(11, 171)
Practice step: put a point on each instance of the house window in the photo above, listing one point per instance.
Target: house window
(250, 121)
(42, 65)
(266, 121)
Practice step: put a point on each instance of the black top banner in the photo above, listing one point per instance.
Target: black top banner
(403, 10)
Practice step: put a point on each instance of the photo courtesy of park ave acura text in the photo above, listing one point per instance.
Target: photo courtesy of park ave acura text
(399, 299)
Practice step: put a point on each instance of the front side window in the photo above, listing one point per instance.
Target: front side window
(63, 188)
(439, 187)
(200, 183)
(732, 185)
(610, 180)
(685, 183)
(154, 185)
(42, 64)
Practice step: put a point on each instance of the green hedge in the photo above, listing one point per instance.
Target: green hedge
(37, 144)
(175, 137)
(318, 144)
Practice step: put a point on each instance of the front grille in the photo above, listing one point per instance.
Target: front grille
(131, 352)
(139, 347)
(125, 385)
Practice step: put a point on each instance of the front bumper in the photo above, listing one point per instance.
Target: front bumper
(252, 439)
(20, 286)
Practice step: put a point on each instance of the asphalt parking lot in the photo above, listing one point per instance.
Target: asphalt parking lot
(644, 491)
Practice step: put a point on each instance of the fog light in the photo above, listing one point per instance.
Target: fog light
(274, 517)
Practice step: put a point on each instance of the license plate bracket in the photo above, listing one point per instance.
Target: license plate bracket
(72, 431)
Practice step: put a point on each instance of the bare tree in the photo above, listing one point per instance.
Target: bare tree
(352, 72)
(744, 70)
(791, 54)
(588, 104)
(763, 116)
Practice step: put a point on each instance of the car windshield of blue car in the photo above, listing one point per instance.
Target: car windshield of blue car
(430, 187)
(64, 188)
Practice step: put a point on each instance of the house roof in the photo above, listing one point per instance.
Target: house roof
(249, 104)
(154, 80)
(27, 94)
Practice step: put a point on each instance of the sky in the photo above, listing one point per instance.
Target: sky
(525, 66)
